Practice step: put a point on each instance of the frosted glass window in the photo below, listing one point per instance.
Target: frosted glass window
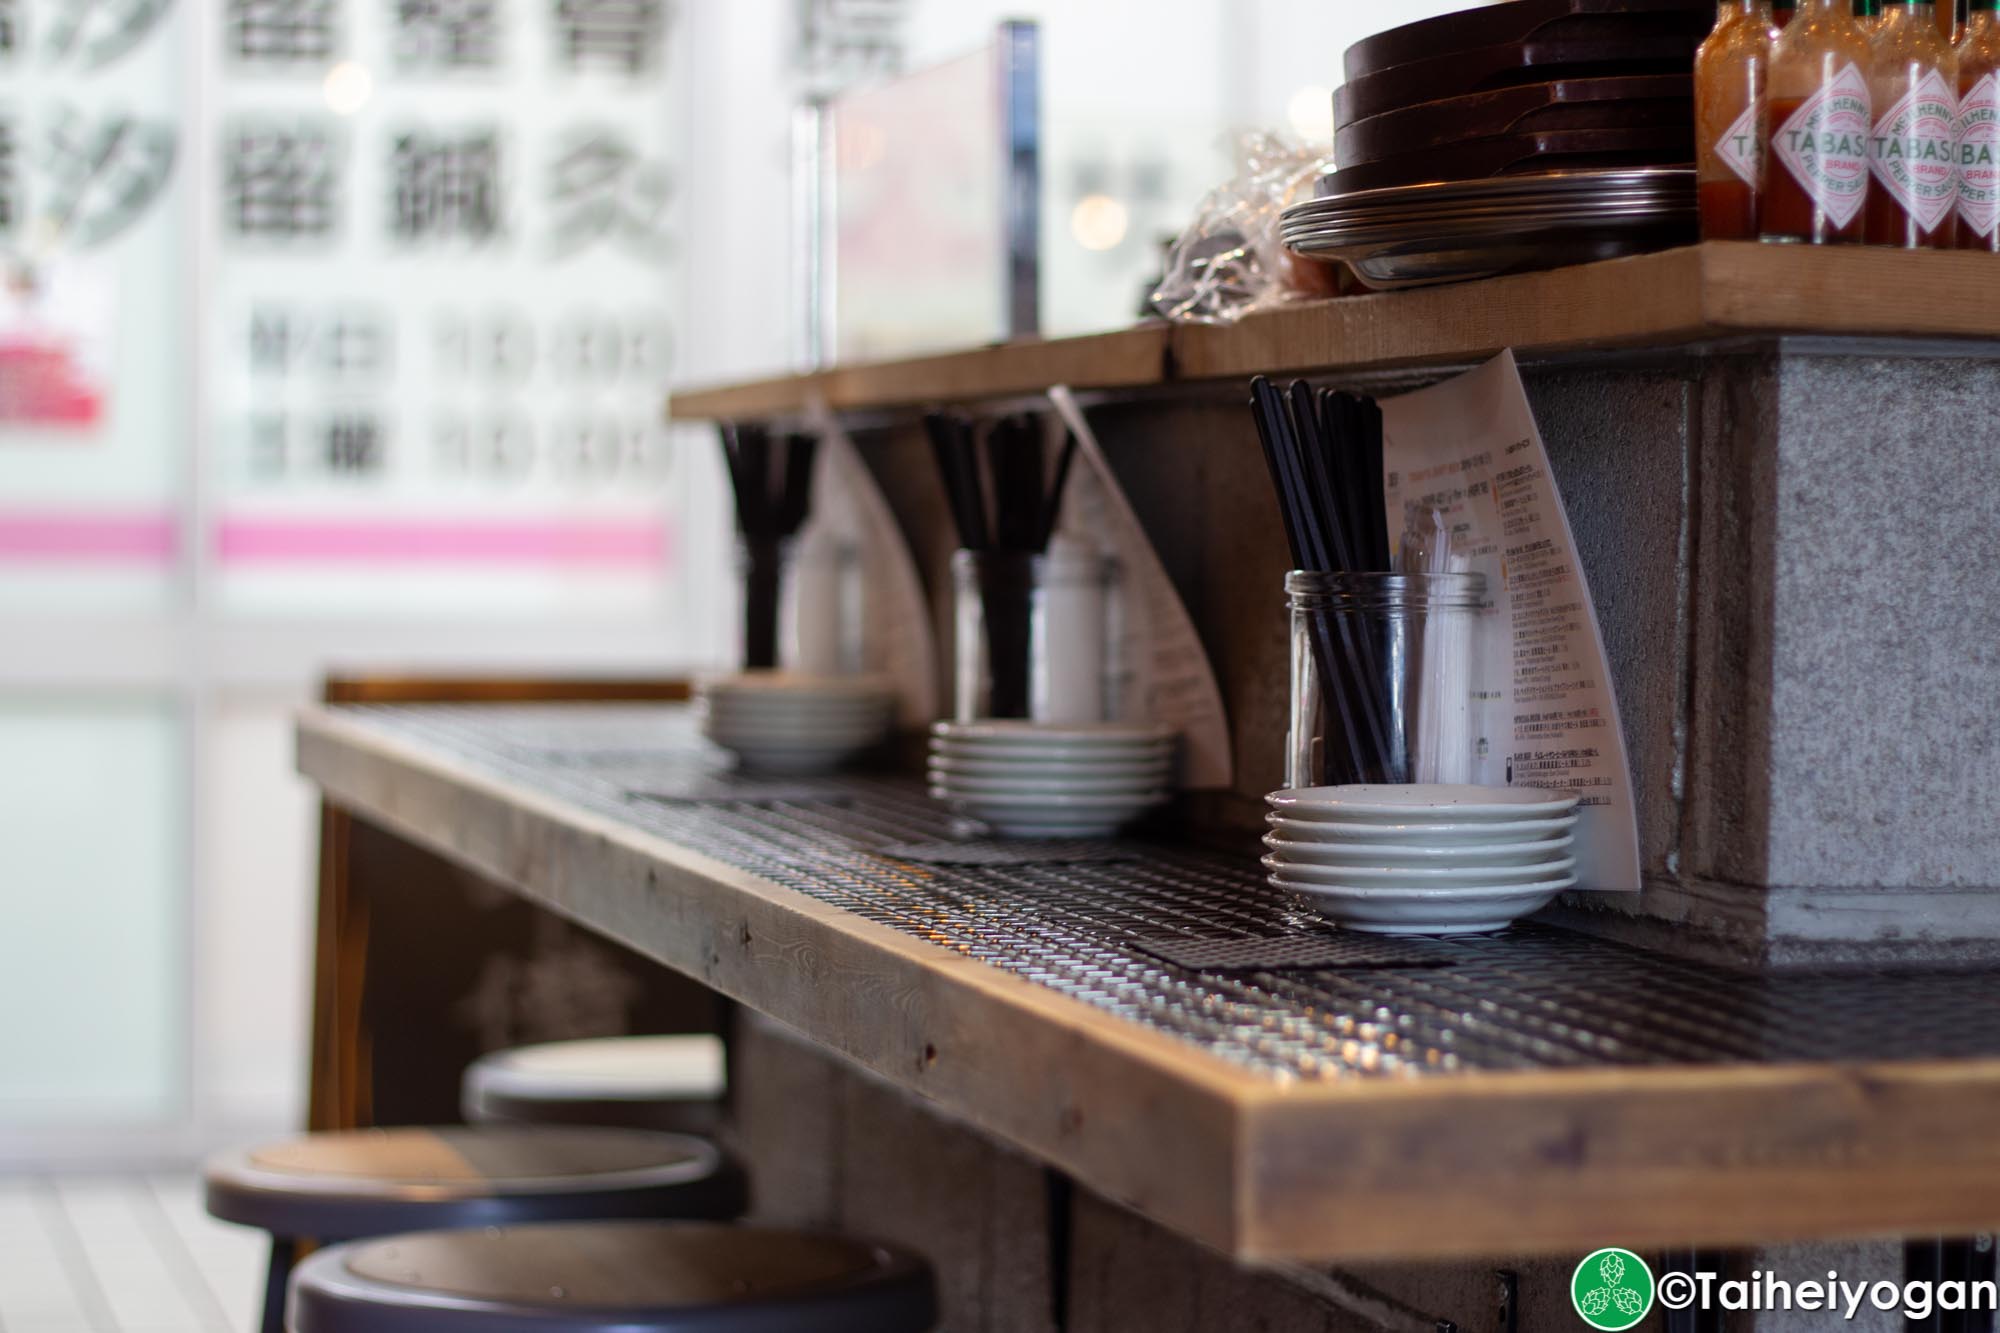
(91, 930)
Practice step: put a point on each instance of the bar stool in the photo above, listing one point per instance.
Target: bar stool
(631, 1277)
(660, 1082)
(360, 1183)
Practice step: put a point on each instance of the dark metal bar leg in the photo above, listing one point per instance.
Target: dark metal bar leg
(277, 1277)
(1971, 1261)
(1694, 1261)
(1936, 1260)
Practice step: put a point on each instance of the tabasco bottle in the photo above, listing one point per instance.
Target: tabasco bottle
(1728, 97)
(1979, 129)
(1913, 199)
(1817, 120)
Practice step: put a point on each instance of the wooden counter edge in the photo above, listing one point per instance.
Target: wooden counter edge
(1664, 299)
(1441, 1166)
(1119, 359)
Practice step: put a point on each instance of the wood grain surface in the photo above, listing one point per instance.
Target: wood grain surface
(1714, 290)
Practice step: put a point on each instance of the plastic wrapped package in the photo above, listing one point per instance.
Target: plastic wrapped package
(1229, 261)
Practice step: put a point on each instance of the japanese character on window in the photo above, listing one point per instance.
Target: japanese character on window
(499, 345)
(851, 38)
(97, 32)
(499, 447)
(281, 180)
(445, 186)
(623, 36)
(334, 344)
(601, 190)
(447, 34)
(353, 443)
(352, 345)
(104, 172)
(282, 31)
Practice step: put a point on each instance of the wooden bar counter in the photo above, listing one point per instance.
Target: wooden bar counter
(1788, 1042)
(1537, 1094)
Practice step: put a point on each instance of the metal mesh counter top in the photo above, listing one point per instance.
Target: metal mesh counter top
(1473, 1034)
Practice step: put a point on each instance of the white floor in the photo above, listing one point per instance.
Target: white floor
(122, 1254)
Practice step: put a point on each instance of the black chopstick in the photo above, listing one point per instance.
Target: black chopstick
(951, 445)
(1274, 432)
(1321, 482)
(795, 495)
(1369, 413)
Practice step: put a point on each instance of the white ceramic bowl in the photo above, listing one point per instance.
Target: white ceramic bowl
(1417, 854)
(1414, 877)
(1421, 802)
(1494, 830)
(1085, 754)
(1013, 764)
(1061, 784)
(1435, 912)
(1050, 802)
(1020, 731)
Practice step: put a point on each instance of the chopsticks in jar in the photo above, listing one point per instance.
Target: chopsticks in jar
(1324, 453)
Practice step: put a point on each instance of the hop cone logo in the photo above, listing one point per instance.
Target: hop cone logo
(1612, 1289)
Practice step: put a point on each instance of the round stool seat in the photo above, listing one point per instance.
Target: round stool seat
(661, 1082)
(631, 1277)
(375, 1181)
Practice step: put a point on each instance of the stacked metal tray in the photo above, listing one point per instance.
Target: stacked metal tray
(1513, 136)
(1452, 231)
(1530, 85)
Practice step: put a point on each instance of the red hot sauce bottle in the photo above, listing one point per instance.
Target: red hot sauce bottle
(1817, 118)
(1913, 198)
(1979, 129)
(1728, 95)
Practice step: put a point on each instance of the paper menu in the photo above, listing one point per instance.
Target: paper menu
(1545, 713)
(1166, 676)
(849, 511)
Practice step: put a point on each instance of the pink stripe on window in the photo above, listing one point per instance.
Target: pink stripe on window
(94, 537)
(593, 542)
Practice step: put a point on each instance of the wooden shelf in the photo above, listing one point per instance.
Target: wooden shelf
(1718, 289)
(1544, 1093)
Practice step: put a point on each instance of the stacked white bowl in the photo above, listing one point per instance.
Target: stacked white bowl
(1422, 858)
(1051, 780)
(788, 723)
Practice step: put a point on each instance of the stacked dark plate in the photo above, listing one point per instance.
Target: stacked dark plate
(1580, 89)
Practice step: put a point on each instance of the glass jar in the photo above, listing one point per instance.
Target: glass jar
(822, 607)
(1383, 670)
(760, 567)
(1031, 635)
(804, 605)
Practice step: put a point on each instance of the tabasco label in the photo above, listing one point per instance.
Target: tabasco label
(1824, 144)
(1912, 152)
(1738, 146)
(1979, 156)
